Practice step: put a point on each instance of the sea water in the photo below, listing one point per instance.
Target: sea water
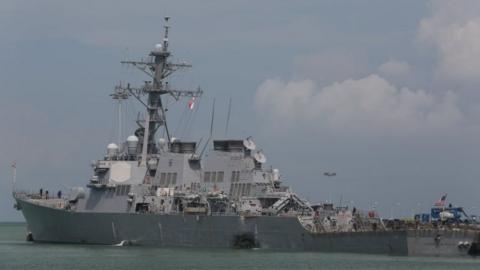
(16, 253)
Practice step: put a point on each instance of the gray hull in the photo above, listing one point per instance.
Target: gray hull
(269, 232)
(276, 233)
(441, 243)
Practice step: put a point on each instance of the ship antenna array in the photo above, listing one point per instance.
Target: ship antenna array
(158, 67)
(14, 176)
(228, 116)
(211, 130)
(120, 94)
(165, 38)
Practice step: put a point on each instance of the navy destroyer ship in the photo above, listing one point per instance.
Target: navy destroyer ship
(156, 190)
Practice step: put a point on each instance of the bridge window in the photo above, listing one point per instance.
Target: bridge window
(169, 179)
(235, 176)
(122, 190)
(206, 177)
(240, 186)
(219, 177)
(174, 178)
(213, 176)
(163, 177)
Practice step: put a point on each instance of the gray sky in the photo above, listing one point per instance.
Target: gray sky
(385, 93)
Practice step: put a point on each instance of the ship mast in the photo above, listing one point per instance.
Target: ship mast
(120, 95)
(158, 68)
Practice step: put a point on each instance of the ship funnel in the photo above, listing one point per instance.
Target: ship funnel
(132, 142)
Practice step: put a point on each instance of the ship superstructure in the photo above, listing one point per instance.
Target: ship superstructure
(166, 175)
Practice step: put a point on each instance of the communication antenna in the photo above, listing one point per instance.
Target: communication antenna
(228, 116)
(196, 148)
(165, 39)
(213, 117)
(260, 157)
(211, 129)
(249, 143)
(120, 94)
(14, 176)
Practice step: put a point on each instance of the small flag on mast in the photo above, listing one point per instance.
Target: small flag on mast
(442, 201)
(191, 103)
(14, 165)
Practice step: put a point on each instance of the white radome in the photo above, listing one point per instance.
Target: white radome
(132, 138)
(157, 48)
(132, 142)
(161, 141)
(112, 146)
(112, 149)
(276, 174)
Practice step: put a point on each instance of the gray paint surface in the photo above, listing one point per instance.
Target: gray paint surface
(276, 233)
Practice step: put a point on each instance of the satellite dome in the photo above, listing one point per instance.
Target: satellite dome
(132, 142)
(132, 138)
(112, 149)
(173, 139)
(276, 174)
(161, 141)
(157, 48)
(112, 146)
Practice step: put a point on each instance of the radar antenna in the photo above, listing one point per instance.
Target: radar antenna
(260, 157)
(211, 130)
(249, 143)
(14, 176)
(158, 67)
(228, 116)
(120, 94)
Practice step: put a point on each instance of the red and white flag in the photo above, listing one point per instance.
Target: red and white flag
(191, 103)
(442, 201)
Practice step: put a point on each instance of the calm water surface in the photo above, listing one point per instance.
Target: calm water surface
(15, 253)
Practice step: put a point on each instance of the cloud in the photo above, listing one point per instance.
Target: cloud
(453, 30)
(394, 68)
(328, 66)
(368, 105)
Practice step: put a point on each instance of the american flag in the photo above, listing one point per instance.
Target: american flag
(442, 201)
(191, 103)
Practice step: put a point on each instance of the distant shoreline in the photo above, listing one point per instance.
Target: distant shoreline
(12, 223)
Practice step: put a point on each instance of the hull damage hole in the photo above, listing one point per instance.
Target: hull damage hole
(29, 237)
(474, 249)
(245, 241)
